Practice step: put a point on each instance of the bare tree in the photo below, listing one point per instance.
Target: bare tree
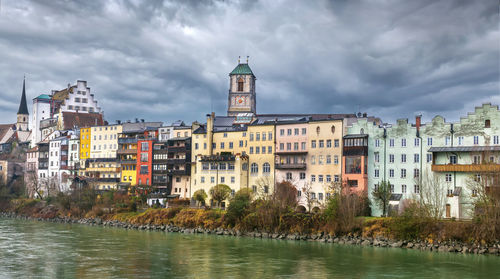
(308, 196)
(382, 195)
(432, 195)
(33, 185)
(263, 190)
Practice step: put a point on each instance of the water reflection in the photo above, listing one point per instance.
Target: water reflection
(29, 249)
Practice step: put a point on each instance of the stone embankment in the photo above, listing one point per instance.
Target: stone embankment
(451, 247)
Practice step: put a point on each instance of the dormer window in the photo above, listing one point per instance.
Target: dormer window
(240, 84)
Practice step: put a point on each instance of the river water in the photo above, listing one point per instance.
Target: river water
(31, 249)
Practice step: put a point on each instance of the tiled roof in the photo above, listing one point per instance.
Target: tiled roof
(80, 120)
(242, 69)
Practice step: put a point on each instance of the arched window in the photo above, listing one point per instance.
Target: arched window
(240, 84)
(254, 168)
(333, 129)
(318, 129)
(362, 131)
(266, 168)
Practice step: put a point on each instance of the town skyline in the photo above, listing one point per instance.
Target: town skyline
(324, 74)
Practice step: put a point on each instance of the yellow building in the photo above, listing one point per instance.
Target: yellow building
(85, 136)
(127, 156)
(261, 147)
(219, 155)
(104, 141)
(324, 157)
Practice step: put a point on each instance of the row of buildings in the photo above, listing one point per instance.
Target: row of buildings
(70, 139)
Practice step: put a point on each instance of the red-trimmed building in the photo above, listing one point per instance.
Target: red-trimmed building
(145, 157)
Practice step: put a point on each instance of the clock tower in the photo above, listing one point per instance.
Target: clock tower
(241, 97)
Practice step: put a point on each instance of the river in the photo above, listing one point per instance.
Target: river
(46, 250)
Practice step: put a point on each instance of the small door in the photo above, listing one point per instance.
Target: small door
(448, 211)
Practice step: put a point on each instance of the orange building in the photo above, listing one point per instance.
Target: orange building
(354, 162)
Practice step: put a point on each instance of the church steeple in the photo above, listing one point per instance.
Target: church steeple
(22, 112)
(242, 98)
(23, 107)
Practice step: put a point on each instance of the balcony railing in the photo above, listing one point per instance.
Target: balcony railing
(131, 161)
(298, 166)
(176, 161)
(126, 151)
(127, 140)
(176, 149)
(467, 168)
(291, 152)
(178, 172)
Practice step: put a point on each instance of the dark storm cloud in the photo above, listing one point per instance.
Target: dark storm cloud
(168, 60)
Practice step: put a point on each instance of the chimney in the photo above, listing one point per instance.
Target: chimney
(418, 120)
(118, 122)
(365, 114)
(142, 120)
(137, 120)
(210, 128)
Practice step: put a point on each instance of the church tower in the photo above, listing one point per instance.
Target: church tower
(22, 112)
(241, 97)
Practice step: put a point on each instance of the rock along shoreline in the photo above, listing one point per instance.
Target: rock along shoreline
(450, 247)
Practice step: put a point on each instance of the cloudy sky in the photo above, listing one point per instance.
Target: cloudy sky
(168, 60)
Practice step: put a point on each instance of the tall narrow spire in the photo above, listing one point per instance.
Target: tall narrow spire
(23, 107)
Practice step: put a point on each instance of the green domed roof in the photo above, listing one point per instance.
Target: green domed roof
(242, 69)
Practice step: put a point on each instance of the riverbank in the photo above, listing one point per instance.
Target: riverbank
(349, 239)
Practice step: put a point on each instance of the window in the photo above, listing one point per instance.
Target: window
(328, 178)
(417, 142)
(403, 188)
(391, 158)
(144, 170)
(289, 132)
(391, 188)
(257, 150)
(222, 179)
(376, 157)
(288, 146)
(230, 166)
(321, 143)
(251, 149)
(241, 143)
(288, 176)
(336, 178)
(313, 178)
(233, 179)
(476, 159)
(476, 139)
(251, 136)
(257, 136)
(320, 196)
(447, 177)
(403, 142)
(202, 179)
(477, 177)
(416, 158)
(266, 168)
(313, 160)
(403, 173)
(416, 189)
(403, 158)
(453, 159)
(282, 146)
(263, 136)
(231, 145)
(222, 166)
(269, 149)
(144, 146)
(302, 175)
(377, 173)
(391, 142)
(391, 173)
(328, 159)
(254, 168)
(296, 131)
(263, 150)
(240, 85)
(270, 135)
(495, 139)
(487, 123)
(336, 143)
(204, 166)
(460, 140)
(447, 140)
(416, 173)
(212, 179)
(221, 145)
(377, 143)
(328, 143)
(320, 178)
(320, 160)
(304, 131)
(336, 159)
(303, 145)
(144, 157)
(213, 166)
(429, 141)
(282, 132)
(295, 146)
(313, 144)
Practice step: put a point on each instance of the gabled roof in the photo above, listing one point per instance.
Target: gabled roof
(242, 69)
(81, 120)
(23, 108)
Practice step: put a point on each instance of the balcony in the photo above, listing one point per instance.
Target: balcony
(127, 140)
(64, 148)
(128, 161)
(298, 166)
(176, 161)
(291, 152)
(126, 151)
(108, 179)
(178, 172)
(467, 168)
(176, 149)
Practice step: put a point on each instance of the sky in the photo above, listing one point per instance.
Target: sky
(169, 60)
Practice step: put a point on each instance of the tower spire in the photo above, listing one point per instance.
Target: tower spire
(23, 107)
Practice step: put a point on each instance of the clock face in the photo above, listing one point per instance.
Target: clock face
(240, 100)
